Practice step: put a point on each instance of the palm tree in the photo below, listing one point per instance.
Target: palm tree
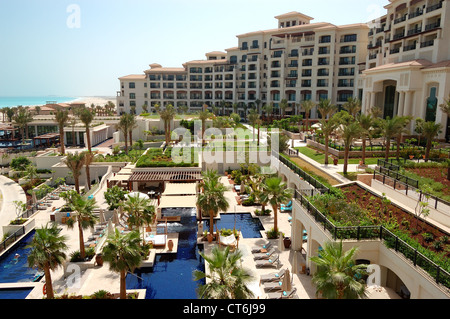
(349, 133)
(326, 109)
(389, 128)
(404, 121)
(328, 127)
(268, 110)
(307, 105)
(277, 193)
(336, 275)
(132, 124)
(75, 162)
(87, 116)
(429, 131)
(366, 122)
(353, 106)
(22, 117)
(203, 116)
(283, 106)
(167, 115)
(212, 199)
(47, 253)
(124, 253)
(253, 117)
(61, 117)
(123, 126)
(227, 278)
(140, 212)
(88, 159)
(84, 209)
(31, 173)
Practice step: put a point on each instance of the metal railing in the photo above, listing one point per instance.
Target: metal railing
(441, 276)
(301, 173)
(11, 239)
(397, 176)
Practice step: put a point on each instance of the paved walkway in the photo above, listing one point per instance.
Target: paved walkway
(10, 192)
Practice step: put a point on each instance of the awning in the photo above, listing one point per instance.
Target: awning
(119, 178)
(180, 189)
(178, 201)
(167, 176)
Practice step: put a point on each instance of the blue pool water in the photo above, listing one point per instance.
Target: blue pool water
(17, 271)
(171, 275)
(250, 227)
(14, 293)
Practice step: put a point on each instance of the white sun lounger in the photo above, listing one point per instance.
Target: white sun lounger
(257, 249)
(271, 262)
(264, 255)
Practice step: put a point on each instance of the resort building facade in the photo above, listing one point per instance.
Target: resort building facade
(399, 62)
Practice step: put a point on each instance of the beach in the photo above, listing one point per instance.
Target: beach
(96, 100)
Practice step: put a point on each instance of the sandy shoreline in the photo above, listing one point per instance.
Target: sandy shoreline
(96, 100)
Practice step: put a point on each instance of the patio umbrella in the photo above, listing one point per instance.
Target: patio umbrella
(115, 217)
(286, 285)
(280, 242)
(110, 227)
(138, 194)
(102, 219)
(295, 262)
(33, 195)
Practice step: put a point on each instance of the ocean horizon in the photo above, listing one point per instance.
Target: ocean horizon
(14, 101)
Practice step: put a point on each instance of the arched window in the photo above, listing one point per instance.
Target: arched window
(430, 115)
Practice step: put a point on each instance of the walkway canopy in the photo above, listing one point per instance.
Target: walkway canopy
(166, 176)
(180, 189)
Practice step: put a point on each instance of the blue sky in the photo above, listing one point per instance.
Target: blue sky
(41, 55)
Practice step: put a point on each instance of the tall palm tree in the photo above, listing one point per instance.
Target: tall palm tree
(48, 253)
(84, 216)
(75, 162)
(212, 199)
(353, 106)
(124, 253)
(123, 126)
(336, 275)
(268, 110)
(307, 105)
(366, 122)
(404, 121)
(328, 127)
(140, 212)
(429, 131)
(88, 159)
(132, 125)
(349, 133)
(283, 106)
(203, 116)
(87, 116)
(326, 109)
(253, 117)
(227, 278)
(61, 117)
(389, 128)
(277, 193)
(22, 117)
(167, 115)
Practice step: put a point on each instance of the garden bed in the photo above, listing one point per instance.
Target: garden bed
(382, 211)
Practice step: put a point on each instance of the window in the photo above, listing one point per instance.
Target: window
(131, 85)
(255, 44)
(132, 96)
(430, 115)
(233, 59)
(349, 38)
(244, 46)
(325, 39)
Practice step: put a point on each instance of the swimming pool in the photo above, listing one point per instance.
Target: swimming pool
(14, 293)
(171, 275)
(12, 270)
(250, 227)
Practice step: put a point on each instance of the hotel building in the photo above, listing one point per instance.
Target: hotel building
(399, 62)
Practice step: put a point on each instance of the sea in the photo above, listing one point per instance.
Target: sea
(33, 100)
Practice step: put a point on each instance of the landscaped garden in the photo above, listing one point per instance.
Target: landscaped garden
(170, 157)
(353, 205)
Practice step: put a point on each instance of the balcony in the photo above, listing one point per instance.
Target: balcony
(415, 14)
(398, 36)
(394, 51)
(434, 7)
(427, 44)
(372, 56)
(432, 26)
(409, 47)
(398, 20)
(414, 31)
(293, 65)
(292, 75)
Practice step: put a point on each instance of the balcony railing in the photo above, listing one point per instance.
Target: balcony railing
(409, 47)
(432, 26)
(394, 51)
(398, 20)
(398, 35)
(427, 44)
(434, 7)
(415, 14)
(414, 31)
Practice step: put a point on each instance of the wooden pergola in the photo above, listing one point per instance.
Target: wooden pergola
(46, 139)
(166, 176)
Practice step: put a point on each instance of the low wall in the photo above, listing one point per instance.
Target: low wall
(352, 154)
(440, 215)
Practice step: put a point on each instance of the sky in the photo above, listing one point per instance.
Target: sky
(81, 47)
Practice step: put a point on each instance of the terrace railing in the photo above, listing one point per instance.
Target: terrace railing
(396, 184)
(397, 176)
(301, 173)
(441, 276)
(11, 239)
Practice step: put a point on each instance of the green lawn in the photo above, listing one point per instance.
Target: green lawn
(320, 157)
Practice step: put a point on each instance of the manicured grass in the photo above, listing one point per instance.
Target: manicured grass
(319, 157)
